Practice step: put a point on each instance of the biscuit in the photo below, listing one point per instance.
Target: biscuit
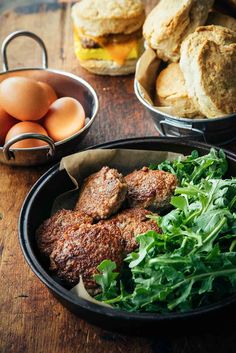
(219, 19)
(171, 92)
(98, 18)
(170, 22)
(208, 63)
(111, 68)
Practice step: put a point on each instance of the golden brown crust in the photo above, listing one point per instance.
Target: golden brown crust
(102, 193)
(51, 229)
(171, 92)
(82, 249)
(170, 22)
(220, 65)
(132, 222)
(208, 62)
(150, 188)
(98, 19)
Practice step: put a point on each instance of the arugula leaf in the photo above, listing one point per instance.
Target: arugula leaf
(107, 279)
(146, 242)
(193, 261)
(194, 167)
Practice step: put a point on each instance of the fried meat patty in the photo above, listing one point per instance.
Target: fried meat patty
(51, 229)
(81, 249)
(150, 188)
(89, 43)
(132, 222)
(102, 193)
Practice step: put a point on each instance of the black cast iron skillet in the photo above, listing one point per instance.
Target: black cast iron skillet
(36, 208)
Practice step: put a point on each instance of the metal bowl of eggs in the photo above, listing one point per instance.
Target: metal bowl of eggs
(44, 113)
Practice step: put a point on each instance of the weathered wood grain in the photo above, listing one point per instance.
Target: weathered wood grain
(32, 321)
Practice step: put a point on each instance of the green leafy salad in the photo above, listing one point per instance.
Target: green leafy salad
(193, 261)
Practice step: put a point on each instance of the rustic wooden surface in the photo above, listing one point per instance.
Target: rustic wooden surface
(32, 321)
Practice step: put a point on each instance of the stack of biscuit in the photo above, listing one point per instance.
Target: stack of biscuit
(198, 48)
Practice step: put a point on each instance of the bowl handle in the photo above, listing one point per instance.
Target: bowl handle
(9, 154)
(16, 34)
(165, 123)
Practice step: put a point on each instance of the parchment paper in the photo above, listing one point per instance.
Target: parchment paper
(147, 70)
(80, 291)
(81, 165)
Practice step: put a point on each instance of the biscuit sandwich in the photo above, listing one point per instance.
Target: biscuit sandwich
(170, 22)
(108, 35)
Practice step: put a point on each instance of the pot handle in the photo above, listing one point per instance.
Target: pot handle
(164, 123)
(9, 154)
(16, 34)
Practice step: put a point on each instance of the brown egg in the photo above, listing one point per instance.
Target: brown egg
(65, 117)
(23, 98)
(6, 122)
(26, 127)
(49, 91)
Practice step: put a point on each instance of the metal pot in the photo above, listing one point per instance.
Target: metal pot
(54, 183)
(218, 131)
(65, 84)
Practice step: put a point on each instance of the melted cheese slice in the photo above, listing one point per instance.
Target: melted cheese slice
(118, 52)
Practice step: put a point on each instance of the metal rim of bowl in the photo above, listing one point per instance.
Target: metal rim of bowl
(39, 271)
(76, 78)
(171, 117)
(24, 33)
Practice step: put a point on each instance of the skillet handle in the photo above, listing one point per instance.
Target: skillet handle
(165, 123)
(9, 154)
(16, 34)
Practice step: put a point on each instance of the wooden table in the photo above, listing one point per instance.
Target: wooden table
(32, 321)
